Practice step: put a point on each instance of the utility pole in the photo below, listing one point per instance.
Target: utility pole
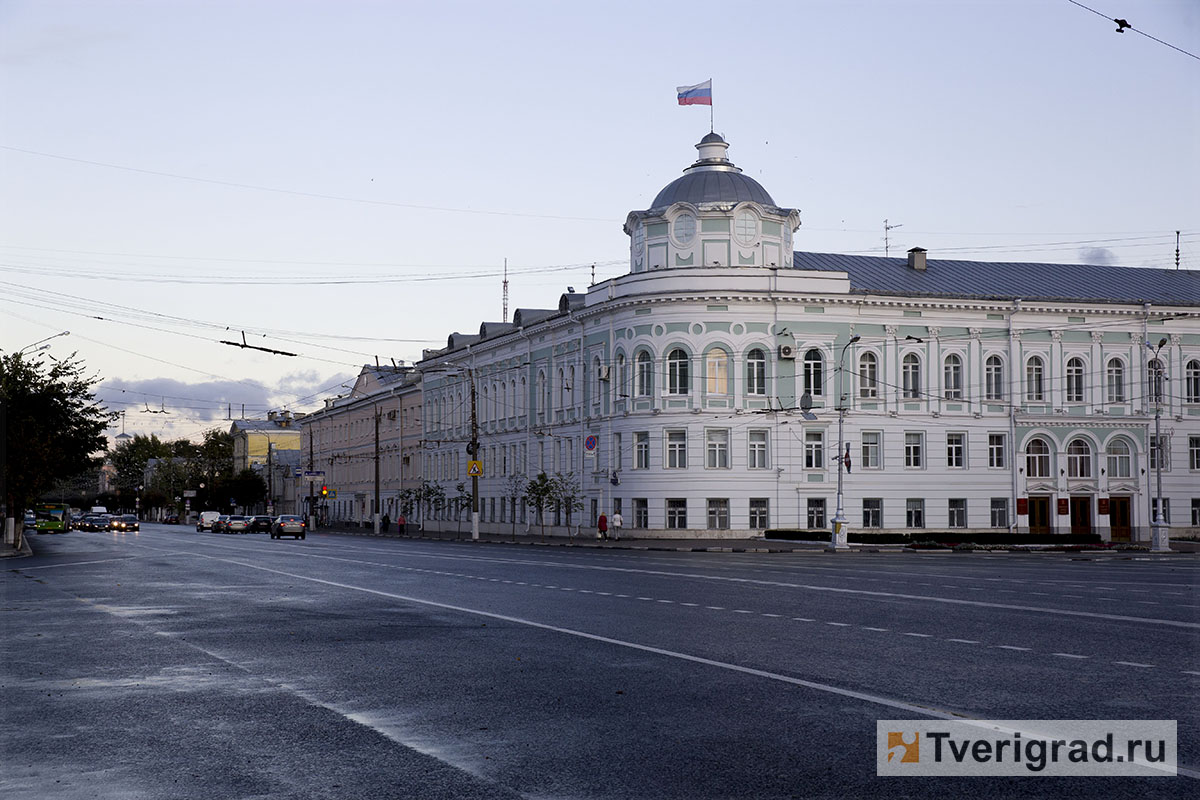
(1160, 540)
(312, 509)
(473, 451)
(375, 509)
(886, 230)
(838, 541)
(270, 478)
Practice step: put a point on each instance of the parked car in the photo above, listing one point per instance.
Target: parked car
(219, 523)
(206, 520)
(125, 522)
(288, 525)
(236, 523)
(261, 523)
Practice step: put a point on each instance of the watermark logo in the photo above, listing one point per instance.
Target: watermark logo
(920, 748)
(905, 747)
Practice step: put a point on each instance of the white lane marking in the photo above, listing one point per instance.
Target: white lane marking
(1190, 672)
(963, 641)
(1013, 647)
(605, 594)
(690, 605)
(803, 619)
(839, 624)
(776, 616)
(645, 598)
(881, 630)
(1133, 664)
(921, 635)
(742, 611)
(1068, 655)
(715, 608)
(666, 601)
(912, 708)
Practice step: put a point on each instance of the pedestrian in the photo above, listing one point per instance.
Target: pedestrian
(401, 522)
(386, 523)
(617, 522)
(602, 527)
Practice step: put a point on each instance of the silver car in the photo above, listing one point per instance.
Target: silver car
(288, 525)
(237, 524)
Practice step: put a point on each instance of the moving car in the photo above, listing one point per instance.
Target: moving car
(30, 522)
(236, 523)
(219, 523)
(288, 525)
(261, 523)
(125, 522)
(171, 519)
(206, 520)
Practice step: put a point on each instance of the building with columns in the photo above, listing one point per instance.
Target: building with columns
(700, 394)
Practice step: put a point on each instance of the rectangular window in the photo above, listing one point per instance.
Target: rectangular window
(956, 450)
(1166, 509)
(759, 513)
(997, 450)
(814, 450)
(816, 513)
(757, 456)
(1195, 511)
(956, 516)
(999, 512)
(914, 511)
(871, 450)
(872, 512)
(1160, 447)
(914, 450)
(677, 449)
(641, 512)
(718, 514)
(616, 451)
(641, 450)
(716, 447)
(1194, 452)
(677, 513)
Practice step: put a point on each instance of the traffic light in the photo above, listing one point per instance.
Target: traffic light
(324, 490)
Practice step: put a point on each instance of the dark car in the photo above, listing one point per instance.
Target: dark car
(125, 522)
(288, 525)
(219, 523)
(171, 519)
(93, 523)
(261, 523)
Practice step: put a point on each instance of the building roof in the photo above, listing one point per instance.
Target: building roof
(713, 178)
(988, 280)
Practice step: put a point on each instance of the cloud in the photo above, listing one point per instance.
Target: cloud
(201, 401)
(1101, 256)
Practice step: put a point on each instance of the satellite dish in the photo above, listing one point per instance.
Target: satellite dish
(805, 401)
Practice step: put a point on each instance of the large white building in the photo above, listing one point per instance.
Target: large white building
(699, 393)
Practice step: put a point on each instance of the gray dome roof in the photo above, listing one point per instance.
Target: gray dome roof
(712, 187)
(712, 179)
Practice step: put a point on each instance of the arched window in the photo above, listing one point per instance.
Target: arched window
(993, 378)
(1079, 459)
(522, 398)
(571, 386)
(1035, 379)
(542, 398)
(1115, 380)
(911, 373)
(1037, 459)
(1120, 462)
(1191, 382)
(504, 409)
(814, 372)
(952, 377)
(622, 377)
(678, 380)
(868, 375)
(645, 375)
(1156, 376)
(716, 371)
(1075, 371)
(484, 405)
(756, 372)
(562, 388)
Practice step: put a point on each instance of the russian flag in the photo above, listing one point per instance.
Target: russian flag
(698, 95)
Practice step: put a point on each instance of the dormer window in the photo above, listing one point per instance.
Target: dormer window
(746, 227)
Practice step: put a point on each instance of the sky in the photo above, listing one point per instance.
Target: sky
(345, 180)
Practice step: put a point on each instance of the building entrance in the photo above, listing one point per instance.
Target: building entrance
(1039, 514)
(1081, 514)
(1120, 522)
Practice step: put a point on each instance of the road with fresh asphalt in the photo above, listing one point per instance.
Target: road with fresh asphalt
(174, 664)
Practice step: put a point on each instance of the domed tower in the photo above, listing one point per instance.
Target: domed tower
(711, 216)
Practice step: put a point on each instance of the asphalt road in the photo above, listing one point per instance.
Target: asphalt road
(168, 664)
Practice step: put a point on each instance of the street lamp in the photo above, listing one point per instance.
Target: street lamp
(39, 341)
(1160, 541)
(837, 542)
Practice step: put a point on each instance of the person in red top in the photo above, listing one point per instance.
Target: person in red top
(602, 527)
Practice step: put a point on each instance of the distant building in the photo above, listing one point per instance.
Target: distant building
(251, 437)
(700, 394)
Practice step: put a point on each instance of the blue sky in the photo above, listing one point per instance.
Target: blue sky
(344, 180)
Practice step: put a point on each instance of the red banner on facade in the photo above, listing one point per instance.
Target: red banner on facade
(1023, 506)
(1103, 506)
(1064, 507)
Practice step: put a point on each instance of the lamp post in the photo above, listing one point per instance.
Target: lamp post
(837, 542)
(39, 341)
(1160, 541)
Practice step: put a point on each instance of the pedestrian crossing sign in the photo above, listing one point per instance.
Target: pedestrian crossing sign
(475, 468)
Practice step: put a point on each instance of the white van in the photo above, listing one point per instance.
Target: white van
(206, 520)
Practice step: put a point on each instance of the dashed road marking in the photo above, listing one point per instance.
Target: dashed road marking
(1068, 655)
(1134, 664)
(881, 630)
(963, 641)
(1014, 647)
(839, 624)
(803, 619)
(921, 635)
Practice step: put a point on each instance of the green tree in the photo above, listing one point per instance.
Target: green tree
(129, 459)
(246, 489)
(51, 426)
(566, 494)
(461, 502)
(514, 488)
(539, 495)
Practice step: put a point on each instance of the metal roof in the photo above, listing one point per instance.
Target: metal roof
(1009, 280)
(712, 186)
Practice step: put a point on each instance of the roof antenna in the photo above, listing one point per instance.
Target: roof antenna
(886, 228)
(1176, 249)
(505, 318)
(376, 362)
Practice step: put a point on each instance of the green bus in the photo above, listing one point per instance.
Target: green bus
(52, 517)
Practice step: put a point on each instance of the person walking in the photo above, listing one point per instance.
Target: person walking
(617, 522)
(602, 527)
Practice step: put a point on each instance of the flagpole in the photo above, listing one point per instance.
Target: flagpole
(711, 127)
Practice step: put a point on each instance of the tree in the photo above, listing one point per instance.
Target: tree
(539, 494)
(514, 489)
(566, 494)
(460, 502)
(246, 489)
(129, 458)
(420, 498)
(51, 426)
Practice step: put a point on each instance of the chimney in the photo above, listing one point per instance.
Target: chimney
(916, 258)
(270, 416)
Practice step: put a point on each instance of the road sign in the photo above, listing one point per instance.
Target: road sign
(589, 444)
(189, 492)
(314, 474)
(475, 468)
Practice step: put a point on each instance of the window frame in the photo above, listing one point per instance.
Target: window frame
(952, 377)
(679, 377)
(675, 442)
(993, 378)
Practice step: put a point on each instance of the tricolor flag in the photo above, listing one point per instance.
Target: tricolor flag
(698, 95)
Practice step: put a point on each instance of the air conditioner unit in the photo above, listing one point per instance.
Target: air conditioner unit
(391, 415)
(604, 372)
(787, 351)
